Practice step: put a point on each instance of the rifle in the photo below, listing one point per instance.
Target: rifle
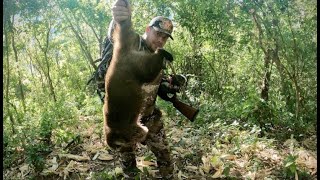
(185, 109)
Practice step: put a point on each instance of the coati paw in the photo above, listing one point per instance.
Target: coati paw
(116, 141)
(165, 54)
(139, 133)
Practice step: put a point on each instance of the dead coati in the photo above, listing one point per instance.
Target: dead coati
(128, 71)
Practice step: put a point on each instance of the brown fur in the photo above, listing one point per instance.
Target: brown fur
(128, 70)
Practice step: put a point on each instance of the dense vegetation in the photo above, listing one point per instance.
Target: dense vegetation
(249, 62)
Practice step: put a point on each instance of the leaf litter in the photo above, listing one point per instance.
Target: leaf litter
(210, 152)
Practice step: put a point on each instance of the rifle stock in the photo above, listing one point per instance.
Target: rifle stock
(185, 109)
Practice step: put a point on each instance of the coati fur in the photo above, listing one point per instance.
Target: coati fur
(129, 69)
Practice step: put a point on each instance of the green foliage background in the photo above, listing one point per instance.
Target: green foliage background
(252, 61)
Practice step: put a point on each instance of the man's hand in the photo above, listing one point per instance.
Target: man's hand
(170, 86)
(121, 11)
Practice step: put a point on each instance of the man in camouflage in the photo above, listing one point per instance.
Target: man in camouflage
(155, 36)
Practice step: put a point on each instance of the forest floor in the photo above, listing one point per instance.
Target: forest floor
(217, 151)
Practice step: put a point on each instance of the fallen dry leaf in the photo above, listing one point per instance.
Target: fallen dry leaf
(147, 163)
(175, 152)
(218, 173)
(47, 172)
(74, 166)
(93, 148)
(291, 142)
(192, 168)
(241, 162)
(181, 175)
(55, 164)
(250, 175)
(96, 156)
(206, 164)
(270, 154)
(228, 157)
(74, 157)
(201, 171)
(264, 174)
(307, 160)
(24, 170)
(105, 157)
(118, 170)
(179, 149)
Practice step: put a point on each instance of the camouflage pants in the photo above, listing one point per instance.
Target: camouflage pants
(156, 141)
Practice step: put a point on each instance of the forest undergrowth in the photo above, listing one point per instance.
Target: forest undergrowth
(216, 150)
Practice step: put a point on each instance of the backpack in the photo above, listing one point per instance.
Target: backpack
(97, 77)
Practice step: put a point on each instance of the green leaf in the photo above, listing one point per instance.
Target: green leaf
(215, 160)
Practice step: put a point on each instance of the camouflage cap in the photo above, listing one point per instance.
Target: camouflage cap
(162, 24)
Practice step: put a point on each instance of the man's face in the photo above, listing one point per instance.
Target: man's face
(155, 39)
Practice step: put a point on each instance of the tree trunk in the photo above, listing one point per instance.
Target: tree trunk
(52, 91)
(44, 50)
(267, 74)
(18, 69)
(7, 84)
(38, 69)
(99, 36)
(285, 85)
(82, 43)
(295, 77)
